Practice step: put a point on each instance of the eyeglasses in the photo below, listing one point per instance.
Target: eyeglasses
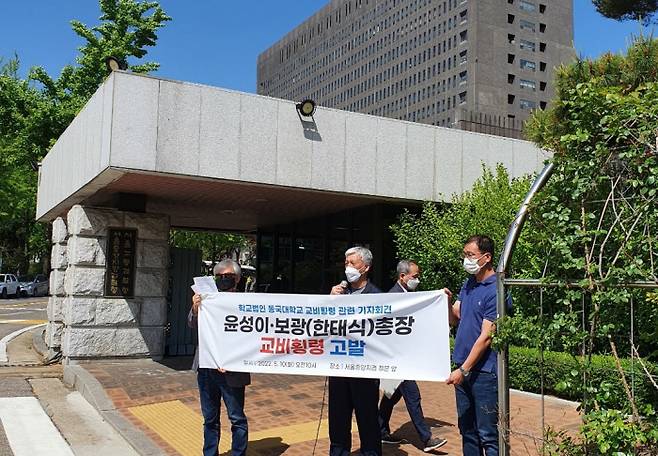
(228, 274)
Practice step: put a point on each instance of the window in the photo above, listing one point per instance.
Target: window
(542, 47)
(542, 8)
(510, 98)
(542, 104)
(463, 57)
(510, 78)
(527, 25)
(463, 37)
(528, 84)
(462, 98)
(542, 28)
(463, 77)
(542, 86)
(528, 65)
(527, 45)
(527, 104)
(527, 6)
(510, 18)
(542, 66)
(510, 58)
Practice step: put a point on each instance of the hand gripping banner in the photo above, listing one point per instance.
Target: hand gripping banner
(393, 335)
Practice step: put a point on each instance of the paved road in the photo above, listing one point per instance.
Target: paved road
(19, 313)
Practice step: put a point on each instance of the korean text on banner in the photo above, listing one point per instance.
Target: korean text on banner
(395, 335)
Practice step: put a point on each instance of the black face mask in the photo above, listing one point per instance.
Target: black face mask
(225, 283)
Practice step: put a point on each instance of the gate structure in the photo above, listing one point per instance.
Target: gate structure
(185, 264)
(504, 283)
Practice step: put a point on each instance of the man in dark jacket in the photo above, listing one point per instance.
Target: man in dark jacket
(358, 395)
(408, 280)
(217, 384)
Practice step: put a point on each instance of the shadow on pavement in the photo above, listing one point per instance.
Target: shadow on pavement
(178, 363)
(271, 446)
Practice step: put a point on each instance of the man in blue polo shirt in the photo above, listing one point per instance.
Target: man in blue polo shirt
(475, 380)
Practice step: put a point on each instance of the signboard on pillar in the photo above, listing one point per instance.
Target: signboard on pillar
(120, 267)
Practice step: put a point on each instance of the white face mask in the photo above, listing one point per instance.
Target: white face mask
(471, 265)
(412, 284)
(352, 274)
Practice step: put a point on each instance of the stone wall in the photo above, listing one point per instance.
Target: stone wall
(91, 325)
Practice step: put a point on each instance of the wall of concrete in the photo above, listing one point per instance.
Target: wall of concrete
(229, 135)
(172, 127)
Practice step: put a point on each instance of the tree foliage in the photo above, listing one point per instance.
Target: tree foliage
(213, 246)
(598, 220)
(623, 10)
(35, 111)
(435, 238)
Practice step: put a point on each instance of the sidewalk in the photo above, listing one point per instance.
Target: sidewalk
(155, 407)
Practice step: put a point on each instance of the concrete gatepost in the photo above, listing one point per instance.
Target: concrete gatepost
(96, 326)
(59, 263)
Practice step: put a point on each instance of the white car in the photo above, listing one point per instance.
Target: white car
(34, 285)
(9, 285)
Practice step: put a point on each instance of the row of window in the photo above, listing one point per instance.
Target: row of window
(527, 83)
(526, 25)
(525, 103)
(526, 45)
(529, 7)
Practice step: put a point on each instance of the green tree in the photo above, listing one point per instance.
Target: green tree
(435, 238)
(35, 111)
(623, 10)
(213, 246)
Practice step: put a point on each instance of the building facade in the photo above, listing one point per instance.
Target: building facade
(479, 65)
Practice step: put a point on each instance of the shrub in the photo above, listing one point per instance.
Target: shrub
(563, 375)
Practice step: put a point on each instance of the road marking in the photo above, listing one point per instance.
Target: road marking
(20, 414)
(5, 340)
(23, 322)
(182, 428)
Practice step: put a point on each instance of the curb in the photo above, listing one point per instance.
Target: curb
(86, 384)
(9, 337)
(39, 342)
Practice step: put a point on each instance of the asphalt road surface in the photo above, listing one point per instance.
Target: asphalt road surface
(21, 312)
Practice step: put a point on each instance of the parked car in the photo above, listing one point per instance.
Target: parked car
(34, 285)
(9, 285)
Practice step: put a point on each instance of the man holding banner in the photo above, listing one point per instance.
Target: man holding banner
(218, 384)
(354, 336)
(358, 395)
(475, 380)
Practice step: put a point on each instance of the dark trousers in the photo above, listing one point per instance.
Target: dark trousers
(358, 395)
(408, 390)
(477, 410)
(212, 389)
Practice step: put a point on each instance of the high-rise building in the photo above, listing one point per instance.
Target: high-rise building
(480, 65)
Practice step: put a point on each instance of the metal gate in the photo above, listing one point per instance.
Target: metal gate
(185, 264)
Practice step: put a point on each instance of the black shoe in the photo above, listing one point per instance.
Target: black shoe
(433, 444)
(393, 440)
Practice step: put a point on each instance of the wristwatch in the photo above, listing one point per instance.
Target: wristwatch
(464, 372)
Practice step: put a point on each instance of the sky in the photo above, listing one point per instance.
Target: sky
(217, 42)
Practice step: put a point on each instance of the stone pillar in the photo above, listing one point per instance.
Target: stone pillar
(59, 264)
(96, 326)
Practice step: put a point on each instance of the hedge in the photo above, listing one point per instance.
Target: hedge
(525, 375)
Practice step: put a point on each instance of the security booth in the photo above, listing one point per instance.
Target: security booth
(147, 154)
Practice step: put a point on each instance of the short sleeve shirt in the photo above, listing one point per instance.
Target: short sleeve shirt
(478, 303)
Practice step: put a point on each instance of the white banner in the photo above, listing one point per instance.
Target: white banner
(390, 335)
